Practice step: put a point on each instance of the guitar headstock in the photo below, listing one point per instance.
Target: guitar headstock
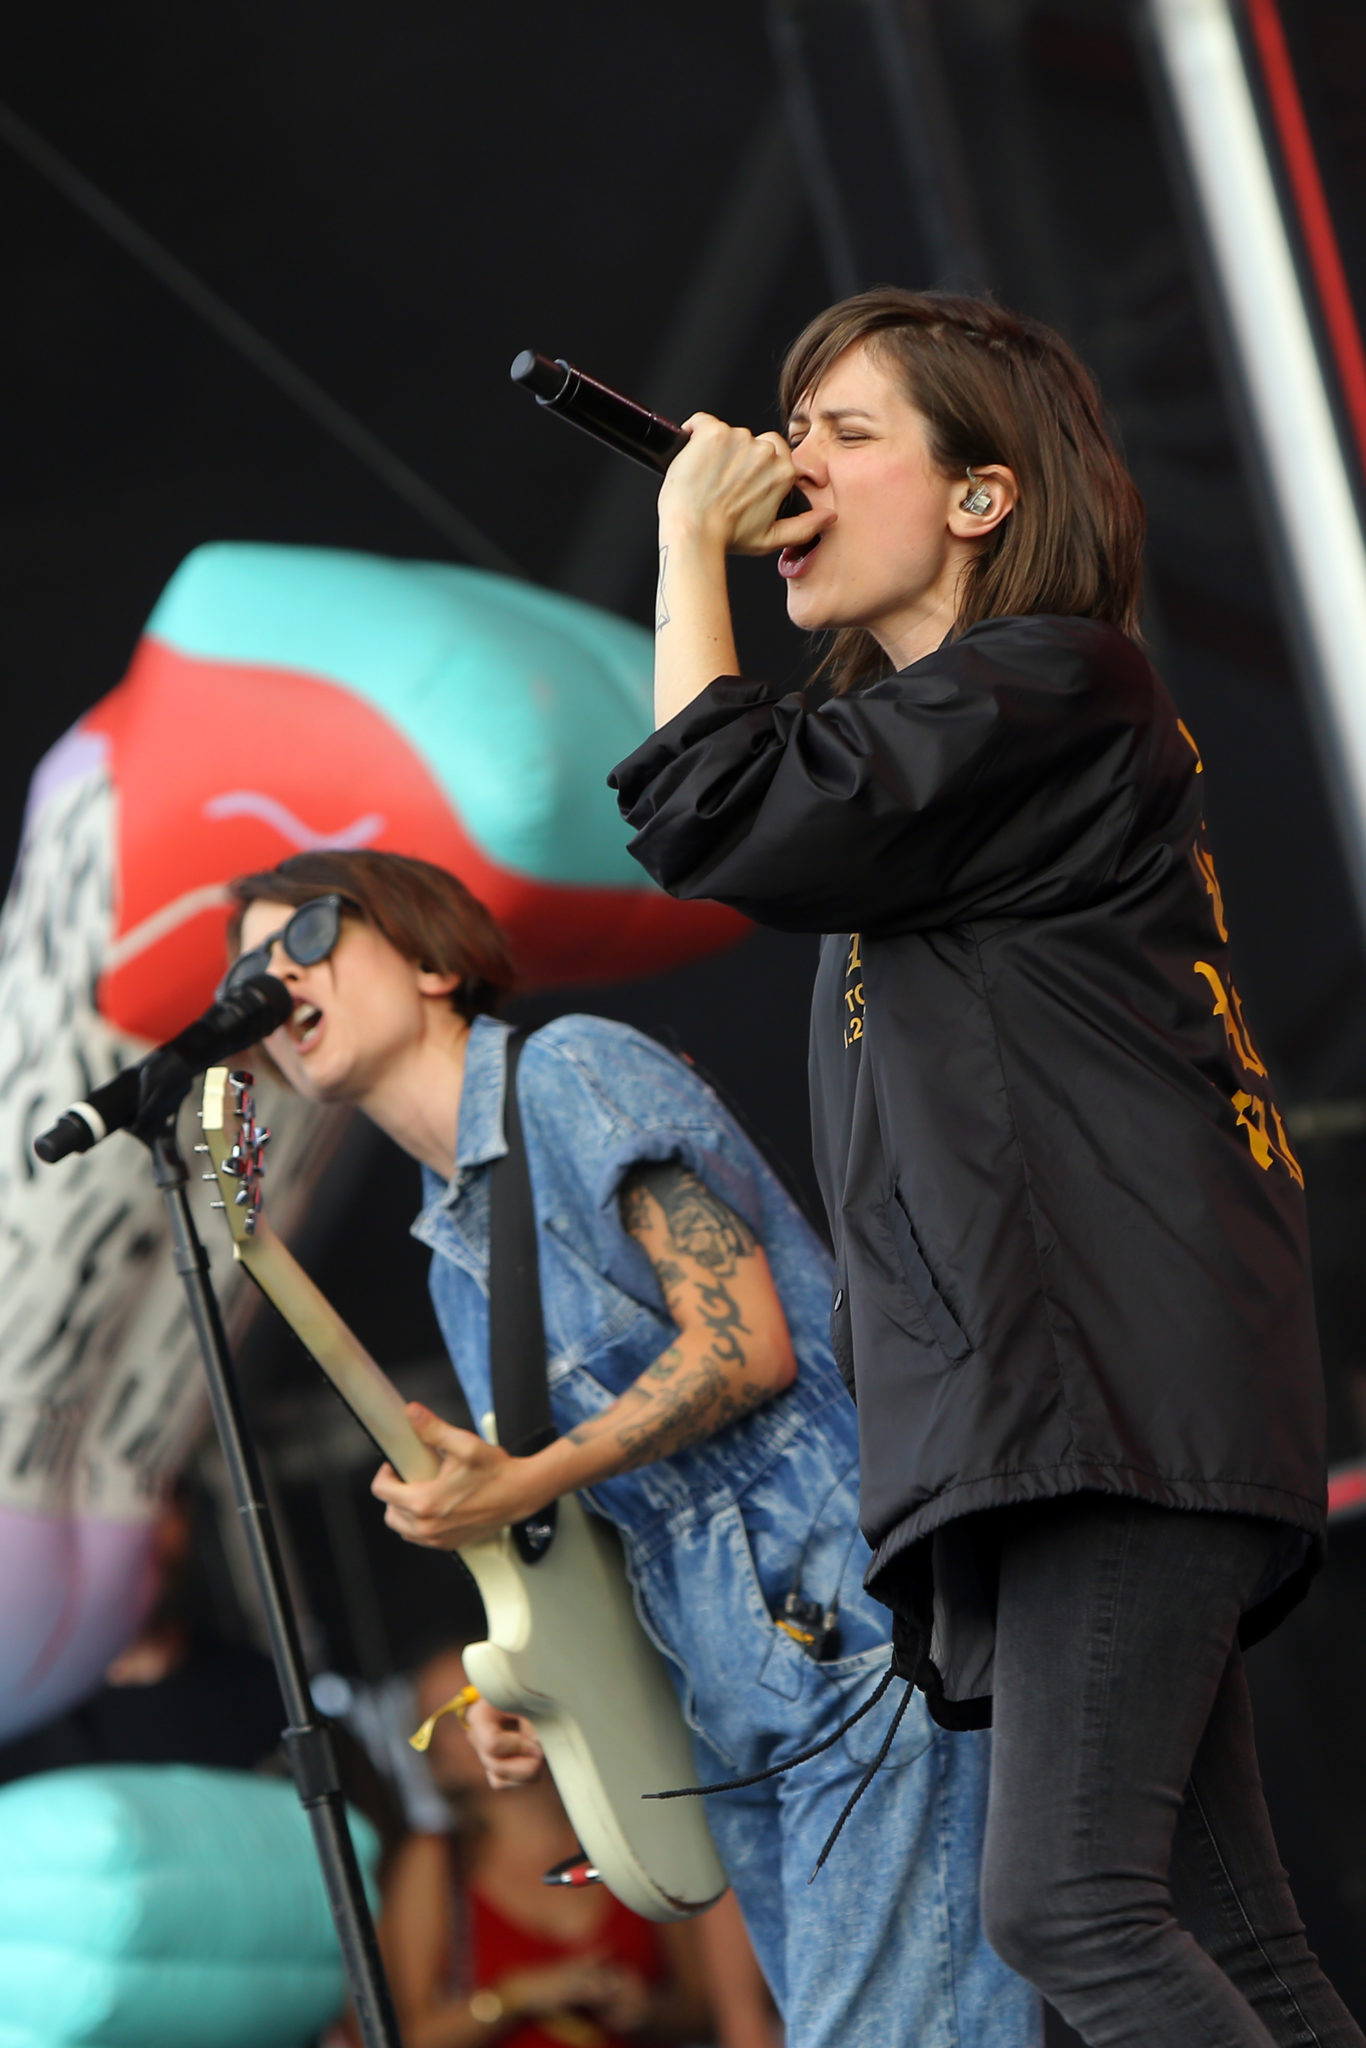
(234, 1143)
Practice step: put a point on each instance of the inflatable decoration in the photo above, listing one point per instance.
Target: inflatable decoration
(283, 698)
(280, 698)
(164, 1906)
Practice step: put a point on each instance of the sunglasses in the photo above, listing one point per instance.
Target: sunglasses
(309, 936)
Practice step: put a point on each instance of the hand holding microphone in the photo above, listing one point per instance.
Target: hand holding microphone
(734, 490)
(723, 493)
(728, 480)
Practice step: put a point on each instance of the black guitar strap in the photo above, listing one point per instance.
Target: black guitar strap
(521, 1396)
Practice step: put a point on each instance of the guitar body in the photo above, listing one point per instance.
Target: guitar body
(565, 1646)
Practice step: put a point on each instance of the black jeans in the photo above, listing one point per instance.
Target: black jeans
(1130, 1870)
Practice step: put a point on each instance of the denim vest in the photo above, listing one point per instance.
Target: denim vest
(598, 1098)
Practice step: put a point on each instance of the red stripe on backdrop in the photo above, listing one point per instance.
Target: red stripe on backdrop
(1347, 1489)
(185, 736)
(1311, 204)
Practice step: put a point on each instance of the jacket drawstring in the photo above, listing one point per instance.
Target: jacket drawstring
(804, 1757)
(866, 1780)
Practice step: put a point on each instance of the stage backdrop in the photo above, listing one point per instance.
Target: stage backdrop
(280, 698)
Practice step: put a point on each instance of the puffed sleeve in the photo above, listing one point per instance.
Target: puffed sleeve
(995, 776)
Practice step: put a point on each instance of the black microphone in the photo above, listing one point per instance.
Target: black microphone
(598, 410)
(156, 1084)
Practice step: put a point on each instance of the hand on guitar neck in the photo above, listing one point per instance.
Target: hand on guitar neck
(477, 1490)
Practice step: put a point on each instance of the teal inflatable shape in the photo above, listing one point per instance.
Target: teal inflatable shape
(164, 1907)
(472, 668)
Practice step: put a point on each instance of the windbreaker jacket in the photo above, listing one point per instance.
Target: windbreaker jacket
(1068, 1224)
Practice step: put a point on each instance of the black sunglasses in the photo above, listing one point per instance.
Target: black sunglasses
(307, 938)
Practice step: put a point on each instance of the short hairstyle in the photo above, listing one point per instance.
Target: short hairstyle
(425, 913)
(993, 386)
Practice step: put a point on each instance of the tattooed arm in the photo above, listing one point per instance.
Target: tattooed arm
(731, 1353)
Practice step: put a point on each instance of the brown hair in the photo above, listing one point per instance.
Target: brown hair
(424, 912)
(995, 387)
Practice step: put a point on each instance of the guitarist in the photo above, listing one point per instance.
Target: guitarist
(686, 1305)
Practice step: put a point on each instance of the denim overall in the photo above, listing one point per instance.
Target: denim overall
(886, 1947)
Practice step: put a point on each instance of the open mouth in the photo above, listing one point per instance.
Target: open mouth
(304, 1023)
(792, 561)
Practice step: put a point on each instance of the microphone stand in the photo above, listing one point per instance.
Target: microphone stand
(307, 1743)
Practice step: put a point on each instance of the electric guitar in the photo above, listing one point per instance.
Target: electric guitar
(565, 1647)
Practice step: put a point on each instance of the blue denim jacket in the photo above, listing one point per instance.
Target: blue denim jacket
(776, 1491)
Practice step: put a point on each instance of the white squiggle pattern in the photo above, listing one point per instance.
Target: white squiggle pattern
(254, 803)
(163, 922)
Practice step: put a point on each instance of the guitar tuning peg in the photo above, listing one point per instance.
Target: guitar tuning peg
(263, 1138)
(218, 1205)
(208, 1176)
(201, 1148)
(242, 1197)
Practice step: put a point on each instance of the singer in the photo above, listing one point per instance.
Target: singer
(685, 1303)
(1071, 1290)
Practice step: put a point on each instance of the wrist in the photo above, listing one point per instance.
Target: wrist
(562, 1467)
(693, 533)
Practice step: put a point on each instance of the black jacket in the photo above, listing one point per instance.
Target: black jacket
(1068, 1225)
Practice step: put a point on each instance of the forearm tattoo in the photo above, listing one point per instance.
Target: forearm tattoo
(700, 1384)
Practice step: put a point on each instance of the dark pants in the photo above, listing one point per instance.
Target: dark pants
(1130, 1870)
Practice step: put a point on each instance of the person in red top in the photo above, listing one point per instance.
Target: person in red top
(478, 1949)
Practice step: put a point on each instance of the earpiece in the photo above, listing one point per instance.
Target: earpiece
(978, 500)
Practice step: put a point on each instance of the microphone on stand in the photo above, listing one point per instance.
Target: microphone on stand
(156, 1084)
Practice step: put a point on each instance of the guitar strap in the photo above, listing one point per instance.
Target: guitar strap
(521, 1395)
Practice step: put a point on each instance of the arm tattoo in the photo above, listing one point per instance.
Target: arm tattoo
(700, 1226)
(635, 1203)
(722, 1317)
(661, 604)
(685, 1415)
(671, 1409)
(698, 1385)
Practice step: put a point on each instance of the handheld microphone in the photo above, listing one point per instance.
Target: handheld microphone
(596, 409)
(156, 1083)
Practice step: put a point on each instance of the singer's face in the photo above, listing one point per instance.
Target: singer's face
(356, 1013)
(891, 559)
